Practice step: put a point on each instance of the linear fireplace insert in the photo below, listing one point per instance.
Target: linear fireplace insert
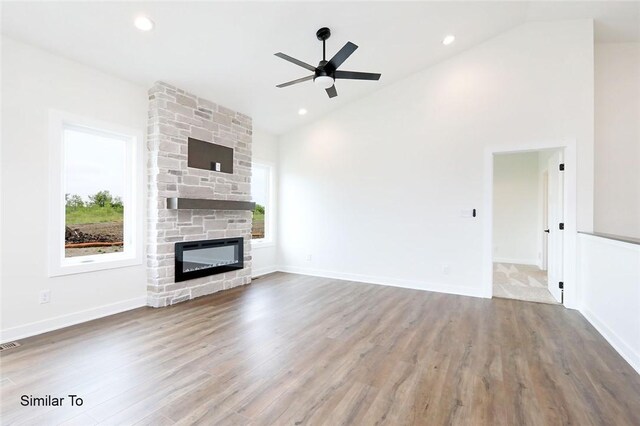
(195, 259)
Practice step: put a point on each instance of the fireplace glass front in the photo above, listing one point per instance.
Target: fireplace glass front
(196, 259)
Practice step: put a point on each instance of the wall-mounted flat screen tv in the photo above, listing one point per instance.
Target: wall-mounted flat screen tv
(209, 156)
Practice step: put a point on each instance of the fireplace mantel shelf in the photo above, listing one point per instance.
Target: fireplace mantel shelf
(208, 204)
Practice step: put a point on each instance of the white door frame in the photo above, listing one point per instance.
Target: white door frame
(571, 291)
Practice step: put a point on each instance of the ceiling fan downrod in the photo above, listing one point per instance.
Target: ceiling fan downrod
(323, 34)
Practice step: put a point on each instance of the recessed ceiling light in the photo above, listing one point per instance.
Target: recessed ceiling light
(143, 23)
(449, 39)
(302, 111)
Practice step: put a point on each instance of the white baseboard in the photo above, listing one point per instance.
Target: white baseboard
(533, 262)
(625, 351)
(392, 282)
(258, 272)
(56, 323)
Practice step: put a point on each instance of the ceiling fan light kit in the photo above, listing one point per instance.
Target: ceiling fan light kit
(323, 81)
(325, 74)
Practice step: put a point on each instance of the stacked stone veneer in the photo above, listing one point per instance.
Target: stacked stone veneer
(174, 116)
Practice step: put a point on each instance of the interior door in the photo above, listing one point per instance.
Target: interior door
(555, 209)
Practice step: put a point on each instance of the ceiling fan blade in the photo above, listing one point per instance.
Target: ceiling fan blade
(354, 75)
(295, 61)
(300, 80)
(342, 55)
(332, 92)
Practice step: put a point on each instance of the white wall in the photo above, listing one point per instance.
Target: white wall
(617, 139)
(265, 150)
(33, 82)
(374, 191)
(516, 208)
(610, 277)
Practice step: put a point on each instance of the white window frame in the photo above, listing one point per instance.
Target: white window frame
(132, 197)
(269, 239)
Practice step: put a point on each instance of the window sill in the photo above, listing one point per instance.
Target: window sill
(257, 244)
(94, 263)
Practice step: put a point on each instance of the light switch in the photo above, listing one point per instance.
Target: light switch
(217, 167)
(466, 213)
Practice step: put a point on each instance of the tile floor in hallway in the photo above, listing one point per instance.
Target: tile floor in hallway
(521, 282)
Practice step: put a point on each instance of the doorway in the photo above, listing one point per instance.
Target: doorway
(527, 250)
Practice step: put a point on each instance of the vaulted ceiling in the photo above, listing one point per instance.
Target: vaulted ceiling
(224, 50)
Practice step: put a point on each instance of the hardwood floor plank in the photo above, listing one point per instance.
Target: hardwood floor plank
(155, 419)
(140, 403)
(293, 349)
(81, 420)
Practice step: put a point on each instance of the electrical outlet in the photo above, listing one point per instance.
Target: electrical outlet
(45, 296)
(309, 257)
(446, 269)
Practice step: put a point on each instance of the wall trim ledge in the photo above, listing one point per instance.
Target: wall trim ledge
(56, 323)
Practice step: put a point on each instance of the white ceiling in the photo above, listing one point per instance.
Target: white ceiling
(224, 50)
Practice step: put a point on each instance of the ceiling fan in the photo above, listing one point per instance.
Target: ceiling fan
(327, 72)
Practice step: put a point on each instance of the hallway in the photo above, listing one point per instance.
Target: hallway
(521, 282)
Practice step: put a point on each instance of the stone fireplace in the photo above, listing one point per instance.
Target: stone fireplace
(174, 117)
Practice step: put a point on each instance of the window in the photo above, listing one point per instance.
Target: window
(95, 196)
(261, 193)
